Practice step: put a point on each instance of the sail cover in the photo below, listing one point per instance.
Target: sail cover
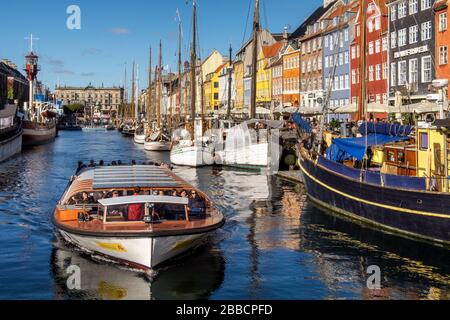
(301, 123)
(344, 149)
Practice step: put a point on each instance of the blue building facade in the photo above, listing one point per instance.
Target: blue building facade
(336, 61)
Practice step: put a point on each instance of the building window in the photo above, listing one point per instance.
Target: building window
(426, 4)
(393, 12)
(413, 74)
(402, 69)
(443, 21)
(353, 52)
(377, 23)
(378, 72)
(377, 46)
(426, 69)
(393, 40)
(385, 70)
(393, 74)
(385, 44)
(402, 37)
(402, 10)
(371, 47)
(426, 30)
(413, 6)
(443, 55)
(370, 73)
(353, 76)
(413, 34)
(346, 57)
(423, 141)
(346, 81)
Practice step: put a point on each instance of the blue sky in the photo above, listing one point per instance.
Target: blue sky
(117, 32)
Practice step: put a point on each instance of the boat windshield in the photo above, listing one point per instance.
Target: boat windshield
(154, 212)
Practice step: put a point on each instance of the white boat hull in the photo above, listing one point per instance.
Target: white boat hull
(157, 145)
(145, 253)
(139, 138)
(192, 156)
(256, 155)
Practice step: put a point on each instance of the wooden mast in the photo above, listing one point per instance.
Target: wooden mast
(362, 105)
(179, 70)
(149, 89)
(131, 112)
(254, 60)
(193, 68)
(170, 100)
(230, 81)
(158, 99)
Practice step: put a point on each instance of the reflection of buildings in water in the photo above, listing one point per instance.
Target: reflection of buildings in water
(344, 250)
(194, 277)
(278, 226)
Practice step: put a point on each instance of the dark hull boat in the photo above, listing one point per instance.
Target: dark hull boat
(10, 136)
(413, 213)
(36, 133)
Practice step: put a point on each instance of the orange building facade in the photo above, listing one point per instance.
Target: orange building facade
(291, 75)
(441, 13)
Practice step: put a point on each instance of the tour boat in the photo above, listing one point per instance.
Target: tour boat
(10, 133)
(141, 230)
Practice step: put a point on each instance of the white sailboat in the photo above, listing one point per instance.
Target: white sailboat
(193, 150)
(158, 141)
(254, 143)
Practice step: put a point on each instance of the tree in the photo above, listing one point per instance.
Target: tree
(73, 108)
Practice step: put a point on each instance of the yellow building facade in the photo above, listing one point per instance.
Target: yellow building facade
(238, 69)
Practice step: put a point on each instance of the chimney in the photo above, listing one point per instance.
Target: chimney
(326, 3)
(285, 35)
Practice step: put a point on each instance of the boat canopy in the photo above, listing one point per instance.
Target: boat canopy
(389, 129)
(132, 177)
(378, 134)
(143, 199)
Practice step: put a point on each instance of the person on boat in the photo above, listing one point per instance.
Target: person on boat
(86, 198)
(115, 194)
(136, 211)
(92, 164)
(81, 166)
(183, 194)
(119, 162)
(196, 204)
(101, 163)
(114, 163)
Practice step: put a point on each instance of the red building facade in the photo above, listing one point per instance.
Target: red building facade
(377, 53)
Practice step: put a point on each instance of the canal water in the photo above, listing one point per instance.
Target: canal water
(274, 245)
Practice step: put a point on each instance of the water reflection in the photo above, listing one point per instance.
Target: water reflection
(343, 251)
(185, 279)
(274, 245)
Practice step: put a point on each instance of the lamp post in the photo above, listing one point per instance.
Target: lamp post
(442, 85)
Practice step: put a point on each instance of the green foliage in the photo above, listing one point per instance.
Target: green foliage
(73, 108)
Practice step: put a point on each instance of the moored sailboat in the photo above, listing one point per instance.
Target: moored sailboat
(393, 178)
(157, 140)
(253, 144)
(192, 150)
